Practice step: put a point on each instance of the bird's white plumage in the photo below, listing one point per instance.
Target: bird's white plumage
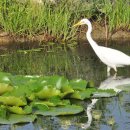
(111, 57)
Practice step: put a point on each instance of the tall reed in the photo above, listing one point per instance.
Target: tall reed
(117, 13)
(119, 17)
(27, 18)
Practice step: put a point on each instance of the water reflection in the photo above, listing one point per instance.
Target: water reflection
(112, 82)
(80, 63)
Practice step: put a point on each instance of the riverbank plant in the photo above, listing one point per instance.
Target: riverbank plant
(37, 95)
(54, 20)
(117, 13)
(27, 18)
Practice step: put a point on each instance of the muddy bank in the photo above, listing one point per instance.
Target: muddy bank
(98, 33)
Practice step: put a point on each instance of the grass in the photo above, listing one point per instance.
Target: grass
(119, 17)
(31, 19)
(56, 20)
(117, 13)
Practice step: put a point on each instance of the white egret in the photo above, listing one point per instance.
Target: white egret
(111, 57)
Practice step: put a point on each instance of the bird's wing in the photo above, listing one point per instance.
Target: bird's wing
(114, 56)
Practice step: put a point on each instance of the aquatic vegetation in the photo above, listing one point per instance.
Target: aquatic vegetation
(28, 19)
(117, 13)
(41, 95)
(53, 21)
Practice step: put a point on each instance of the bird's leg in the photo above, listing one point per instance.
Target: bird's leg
(108, 69)
(115, 69)
(114, 76)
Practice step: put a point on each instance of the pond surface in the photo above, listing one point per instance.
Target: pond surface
(101, 114)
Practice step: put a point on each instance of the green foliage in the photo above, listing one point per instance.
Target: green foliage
(13, 101)
(117, 13)
(48, 95)
(55, 20)
(83, 94)
(104, 93)
(64, 110)
(28, 18)
(15, 118)
(20, 110)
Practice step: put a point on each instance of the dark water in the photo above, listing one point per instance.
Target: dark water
(102, 114)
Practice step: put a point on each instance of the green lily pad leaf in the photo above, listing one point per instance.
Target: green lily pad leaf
(83, 94)
(57, 81)
(14, 118)
(20, 110)
(31, 97)
(66, 90)
(21, 91)
(13, 101)
(38, 106)
(104, 93)
(18, 80)
(5, 88)
(5, 77)
(3, 111)
(90, 84)
(52, 102)
(48, 92)
(125, 87)
(58, 102)
(64, 110)
(78, 84)
(96, 114)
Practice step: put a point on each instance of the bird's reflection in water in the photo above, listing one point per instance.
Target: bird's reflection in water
(112, 82)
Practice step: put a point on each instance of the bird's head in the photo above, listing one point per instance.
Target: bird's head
(81, 22)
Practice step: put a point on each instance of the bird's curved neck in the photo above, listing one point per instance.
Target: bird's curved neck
(89, 37)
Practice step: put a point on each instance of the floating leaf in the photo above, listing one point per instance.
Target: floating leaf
(125, 87)
(14, 118)
(5, 88)
(83, 94)
(111, 121)
(104, 93)
(20, 110)
(97, 114)
(66, 90)
(13, 101)
(57, 81)
(54, 101)
(48, 92)
(78, 84)
(66, 110)
(90, 84)
(5, 77)
(3, 111)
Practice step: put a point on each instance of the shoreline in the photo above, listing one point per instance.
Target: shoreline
(98, 33)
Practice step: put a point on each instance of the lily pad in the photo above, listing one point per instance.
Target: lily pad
(5, 88)
(13, 101)
(56, 81)
(20, 110)
(3, 111)
(54, 101)
(48, 92)
(78, 84)
(64, 110)
(66, 90)
(83, 94)
(104, 93)
(14, 118)
(5, 77)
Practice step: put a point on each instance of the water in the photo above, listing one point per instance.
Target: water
(102, 114)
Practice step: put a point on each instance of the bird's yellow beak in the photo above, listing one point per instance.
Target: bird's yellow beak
(77, 24)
